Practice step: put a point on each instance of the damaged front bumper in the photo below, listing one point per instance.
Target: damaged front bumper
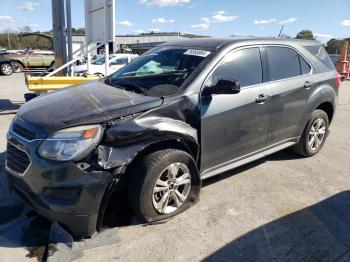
(60, 191)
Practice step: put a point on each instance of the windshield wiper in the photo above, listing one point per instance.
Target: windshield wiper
(128, 86)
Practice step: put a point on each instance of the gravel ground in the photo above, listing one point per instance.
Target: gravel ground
(280, 208)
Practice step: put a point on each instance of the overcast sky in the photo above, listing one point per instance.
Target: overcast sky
(208, 17)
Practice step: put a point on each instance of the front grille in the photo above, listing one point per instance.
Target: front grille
(17, 161)
(23, 132)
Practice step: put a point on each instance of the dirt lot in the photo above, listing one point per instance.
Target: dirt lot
(280, 208)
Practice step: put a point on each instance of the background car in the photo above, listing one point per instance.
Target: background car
(6, 67)
(97, 67)
(30, 58)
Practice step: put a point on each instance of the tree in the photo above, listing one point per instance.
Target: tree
(305, 34)
(334, 46)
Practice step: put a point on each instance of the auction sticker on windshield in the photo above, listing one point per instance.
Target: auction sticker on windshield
(197, 52)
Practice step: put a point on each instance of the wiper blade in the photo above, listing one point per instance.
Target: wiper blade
(128, 87)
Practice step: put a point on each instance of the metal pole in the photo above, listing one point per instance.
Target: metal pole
(69, 31)
(279, 35)
(59, 38)
(106, 39)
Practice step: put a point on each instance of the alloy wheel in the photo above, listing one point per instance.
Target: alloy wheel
(7, 69)
(171, 188)
(317, 134)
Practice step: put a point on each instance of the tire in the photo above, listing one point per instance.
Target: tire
(17, 67)
(151, 169)
(305, 146)
(6, 69)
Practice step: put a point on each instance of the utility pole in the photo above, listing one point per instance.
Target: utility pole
(59, 37)
(69, 31)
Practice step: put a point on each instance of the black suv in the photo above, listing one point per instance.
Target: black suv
(180, 113)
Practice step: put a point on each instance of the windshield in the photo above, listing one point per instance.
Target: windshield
(159, 72)
(101, 60)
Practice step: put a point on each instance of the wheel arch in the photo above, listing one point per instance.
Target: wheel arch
(328, 108)
(123, 173)
(18, 61)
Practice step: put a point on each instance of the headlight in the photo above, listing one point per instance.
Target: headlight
(71, 143)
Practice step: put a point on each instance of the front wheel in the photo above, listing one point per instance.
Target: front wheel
(314, 135)
(163, 184)
(6, 69)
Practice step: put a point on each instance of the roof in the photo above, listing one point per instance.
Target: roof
(217, 42)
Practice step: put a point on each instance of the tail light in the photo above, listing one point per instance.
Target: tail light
(338, 80)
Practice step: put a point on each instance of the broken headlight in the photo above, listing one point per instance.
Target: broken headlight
(72, 143)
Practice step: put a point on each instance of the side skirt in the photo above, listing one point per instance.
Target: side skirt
(248, 158)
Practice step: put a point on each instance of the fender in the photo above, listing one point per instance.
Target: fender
(322, 94)
(124, 139)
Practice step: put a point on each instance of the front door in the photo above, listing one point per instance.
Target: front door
(235, 125)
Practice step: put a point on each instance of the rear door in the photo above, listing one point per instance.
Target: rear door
(234, 125)
(35, 59)
(290, 83)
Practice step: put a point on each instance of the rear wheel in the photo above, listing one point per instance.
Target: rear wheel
(6, 69)
(17, 67)
(314, 135)
(163, 184)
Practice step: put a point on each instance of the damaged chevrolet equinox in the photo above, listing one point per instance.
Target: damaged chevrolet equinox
(182, 112)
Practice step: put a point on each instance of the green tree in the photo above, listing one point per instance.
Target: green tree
(334, 46)
(305, 34)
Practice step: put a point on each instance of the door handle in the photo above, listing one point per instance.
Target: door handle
(262, 98)
(307, 84)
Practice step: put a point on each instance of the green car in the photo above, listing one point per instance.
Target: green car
(30, 58)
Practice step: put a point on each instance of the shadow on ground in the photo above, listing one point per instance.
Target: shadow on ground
(318, 233)
(8, 107)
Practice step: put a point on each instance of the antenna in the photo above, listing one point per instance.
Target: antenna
(279, 35)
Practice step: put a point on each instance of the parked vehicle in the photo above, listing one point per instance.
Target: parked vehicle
(30, 58)
(97, 67)
(182, 112)
(6, 66)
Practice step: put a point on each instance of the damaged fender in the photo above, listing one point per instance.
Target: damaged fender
(126, 138)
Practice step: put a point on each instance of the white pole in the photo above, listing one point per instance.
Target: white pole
(88, 59)
(106, 38)
(106, 59)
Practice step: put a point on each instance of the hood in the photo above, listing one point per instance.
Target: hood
(89, 103)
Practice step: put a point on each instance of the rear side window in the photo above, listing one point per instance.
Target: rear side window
(321, 54)
(284, 62)
(243, 65)
(304, 66)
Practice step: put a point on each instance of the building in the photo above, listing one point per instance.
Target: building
(134, 43)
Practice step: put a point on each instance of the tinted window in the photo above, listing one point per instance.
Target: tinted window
(321, 54)
(284, 62)
(304, 66)
(243, 65)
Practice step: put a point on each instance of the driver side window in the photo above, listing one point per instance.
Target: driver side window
(243, 65)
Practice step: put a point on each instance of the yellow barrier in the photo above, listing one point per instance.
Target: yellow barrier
(44, 84)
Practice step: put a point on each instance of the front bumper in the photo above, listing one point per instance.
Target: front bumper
(58, 190)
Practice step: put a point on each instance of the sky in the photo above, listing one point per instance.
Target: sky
(326, 18)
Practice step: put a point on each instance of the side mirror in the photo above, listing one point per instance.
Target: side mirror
(225, 86)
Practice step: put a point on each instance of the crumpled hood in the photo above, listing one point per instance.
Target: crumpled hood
(89, 103)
